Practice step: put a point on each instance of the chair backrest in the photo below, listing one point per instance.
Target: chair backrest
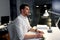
(12, 31)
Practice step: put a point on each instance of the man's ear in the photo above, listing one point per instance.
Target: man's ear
(21, 10)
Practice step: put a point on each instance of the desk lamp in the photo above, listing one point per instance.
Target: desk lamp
(46, 15)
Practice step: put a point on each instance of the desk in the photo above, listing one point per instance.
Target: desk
(55, 35)
(3, 28)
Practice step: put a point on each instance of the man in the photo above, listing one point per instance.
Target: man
(21, 26)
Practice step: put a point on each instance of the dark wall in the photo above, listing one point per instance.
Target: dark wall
(13, 9)
(39, 11)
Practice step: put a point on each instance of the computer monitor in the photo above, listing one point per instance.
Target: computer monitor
(56, 6)
(4, 20)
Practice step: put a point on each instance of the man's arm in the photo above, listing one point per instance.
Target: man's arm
(29, 36)
(36, 30)
(33, 29)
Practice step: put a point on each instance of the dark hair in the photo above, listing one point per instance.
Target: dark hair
(22, 6)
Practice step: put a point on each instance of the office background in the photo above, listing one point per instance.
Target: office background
(37, 9)
(11, 8)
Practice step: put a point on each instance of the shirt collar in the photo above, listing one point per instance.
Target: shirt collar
(23, 16)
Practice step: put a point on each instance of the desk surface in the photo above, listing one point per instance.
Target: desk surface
(55, 35)
(2, 26)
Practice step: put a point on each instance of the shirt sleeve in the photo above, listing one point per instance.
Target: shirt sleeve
(19, 30)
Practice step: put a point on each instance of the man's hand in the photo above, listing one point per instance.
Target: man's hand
(38, 31)
(39, 35)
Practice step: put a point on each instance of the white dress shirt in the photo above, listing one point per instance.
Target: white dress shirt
(18, 28)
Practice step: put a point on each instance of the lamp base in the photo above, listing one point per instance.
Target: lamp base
(49, 31)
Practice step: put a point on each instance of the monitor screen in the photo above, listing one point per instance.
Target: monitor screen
(4, 20)
(56, 6)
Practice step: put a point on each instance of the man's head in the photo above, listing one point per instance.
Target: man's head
(24, 9)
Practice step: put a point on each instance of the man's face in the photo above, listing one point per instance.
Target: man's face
(26, 10)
